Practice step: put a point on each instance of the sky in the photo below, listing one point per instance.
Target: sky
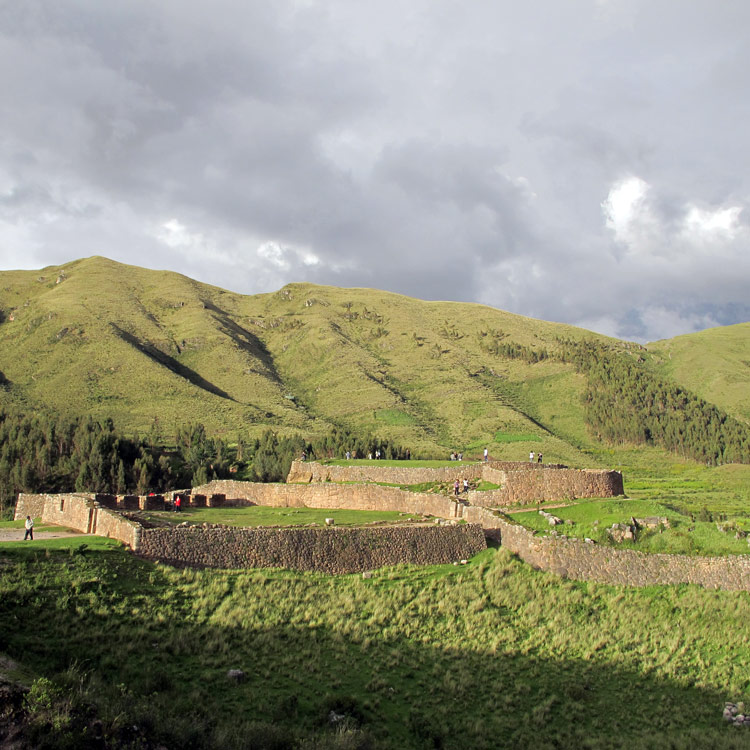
(583, 161)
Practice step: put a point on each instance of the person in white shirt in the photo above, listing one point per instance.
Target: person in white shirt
(29, 529)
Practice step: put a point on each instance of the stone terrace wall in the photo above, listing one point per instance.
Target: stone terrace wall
(521, 483)
(311, 471)
(351, 550)
(329, 550)
(227, 492)
(530, 486)
(591, 562)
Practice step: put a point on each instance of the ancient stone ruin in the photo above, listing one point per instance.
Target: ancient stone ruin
(467, 524)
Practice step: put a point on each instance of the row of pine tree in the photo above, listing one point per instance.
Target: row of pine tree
(43, 454)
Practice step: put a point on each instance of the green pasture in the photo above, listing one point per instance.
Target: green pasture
(696, 500)
(517, 437)
(261, 515)
(74, 544)
(487, 655)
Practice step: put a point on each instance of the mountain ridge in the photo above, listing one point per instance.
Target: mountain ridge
(156, 349)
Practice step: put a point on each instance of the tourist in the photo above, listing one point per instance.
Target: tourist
(486, 455)
(460, 456)
(539, 458)
(531, 457)
(348, 455)
(29, 529)
(466, 485)
(455, 488)
(177, 504)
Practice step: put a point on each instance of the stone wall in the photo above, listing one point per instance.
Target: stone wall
(312, 471)
(329, 550)
(30, 505)
(76, 511)
(532, 486)
(521, 483)
(81, 512)
(227, 492)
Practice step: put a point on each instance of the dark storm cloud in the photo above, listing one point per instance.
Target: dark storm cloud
(579, 162)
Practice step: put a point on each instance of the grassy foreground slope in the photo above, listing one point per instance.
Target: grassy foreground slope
(714, 363)
(493, 654)
(101, 338)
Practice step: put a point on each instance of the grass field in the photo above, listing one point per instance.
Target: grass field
(696, 499)
(489, 655)
(259, 515)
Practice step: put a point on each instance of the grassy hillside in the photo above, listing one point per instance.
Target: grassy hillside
(714, 363)
(145, 347)
(155, 350)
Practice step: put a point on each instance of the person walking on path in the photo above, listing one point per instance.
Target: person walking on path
(486, 455)
(29, 529)
(466, 485)
(531, 457)
(455, 488)
(539, 458)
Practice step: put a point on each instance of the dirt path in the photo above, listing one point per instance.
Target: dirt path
(16, 535)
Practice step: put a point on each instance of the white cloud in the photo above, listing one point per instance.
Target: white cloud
(625, 209)
(274, 254)
(721, 224)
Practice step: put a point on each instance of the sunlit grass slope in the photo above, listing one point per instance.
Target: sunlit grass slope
(714, 363)
(99, 337)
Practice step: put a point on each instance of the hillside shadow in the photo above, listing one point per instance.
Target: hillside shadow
(246, 341)
(165, 360)
(404, 692)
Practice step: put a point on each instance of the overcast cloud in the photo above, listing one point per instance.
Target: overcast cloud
(583, 161)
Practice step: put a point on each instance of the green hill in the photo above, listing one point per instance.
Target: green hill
(714, 363)
(155, 350)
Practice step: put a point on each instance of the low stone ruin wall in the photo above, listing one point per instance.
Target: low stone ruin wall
(227, 492)
(81, 512)
(338, 550)
(30, 505)
(329, 550)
